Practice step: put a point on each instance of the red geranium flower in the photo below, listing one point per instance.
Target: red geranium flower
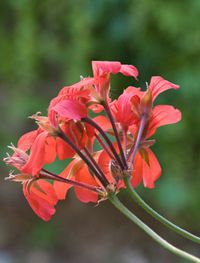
(123, 133)
(40, 194)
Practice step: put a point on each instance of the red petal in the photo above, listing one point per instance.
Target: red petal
(60, 188)
(149, 172)
(122, 110)
(137, 173)
(50, 150)
(96, 108)
(41, 203)
(103, 122)
(78, 90)
(129, 70)
(37, 156)
(104, 163)
(64, 151)
(162, 115)
(105, 67)
(113, 67)
(71, 109)
(158, 85)
(83, 194)
(25, 142)
(48, 193)
(133, 91)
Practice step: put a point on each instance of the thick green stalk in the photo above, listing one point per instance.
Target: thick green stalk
(117, 203)
(156, 215)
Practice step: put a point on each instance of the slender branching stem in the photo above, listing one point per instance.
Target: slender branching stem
(49, 175)
(62, 135)
(110, 116)
(95, 164)
(124, 131)
(104, 146)
(135, 147)
(156, 215)
(124, 210)
(104, 135)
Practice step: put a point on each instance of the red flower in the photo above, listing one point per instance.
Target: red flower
(70, 132)
(146, 165)
(40, 194)
(102, 71)
(45, 145)
(122, 108)
(133, 106)
(79, 92)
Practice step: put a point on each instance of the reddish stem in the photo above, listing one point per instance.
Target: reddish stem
(49, 175)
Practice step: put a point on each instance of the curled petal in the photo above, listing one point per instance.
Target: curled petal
(129, 70)
(105, 67)
(78, 92)
(101, 68)
(162, 115)
(158, 85)
(37, 155)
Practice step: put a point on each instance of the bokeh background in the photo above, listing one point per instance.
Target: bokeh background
(47, 44)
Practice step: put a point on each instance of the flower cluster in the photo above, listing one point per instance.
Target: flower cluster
(123, 128)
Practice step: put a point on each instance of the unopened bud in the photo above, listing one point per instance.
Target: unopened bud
(146, 102)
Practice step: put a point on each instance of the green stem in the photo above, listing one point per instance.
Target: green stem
(116, 202)
(156, 215)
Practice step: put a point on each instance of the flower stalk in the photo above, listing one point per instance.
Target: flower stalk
(49, 175)
(135, 196)
(104, 146)
(134, 148)
(125, 211)
(110, 116)
(96, 126)
(101, 178)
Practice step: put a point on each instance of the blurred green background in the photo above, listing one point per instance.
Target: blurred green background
(47, 44)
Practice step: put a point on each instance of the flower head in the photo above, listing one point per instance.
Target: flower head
(123, 129)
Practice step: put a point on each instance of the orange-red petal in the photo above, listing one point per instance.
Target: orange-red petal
(158, 85)
(84, 195)
(147, 170)
(162, 115)
(42, 202)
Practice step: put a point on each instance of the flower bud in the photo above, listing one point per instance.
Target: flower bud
(146, 103)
